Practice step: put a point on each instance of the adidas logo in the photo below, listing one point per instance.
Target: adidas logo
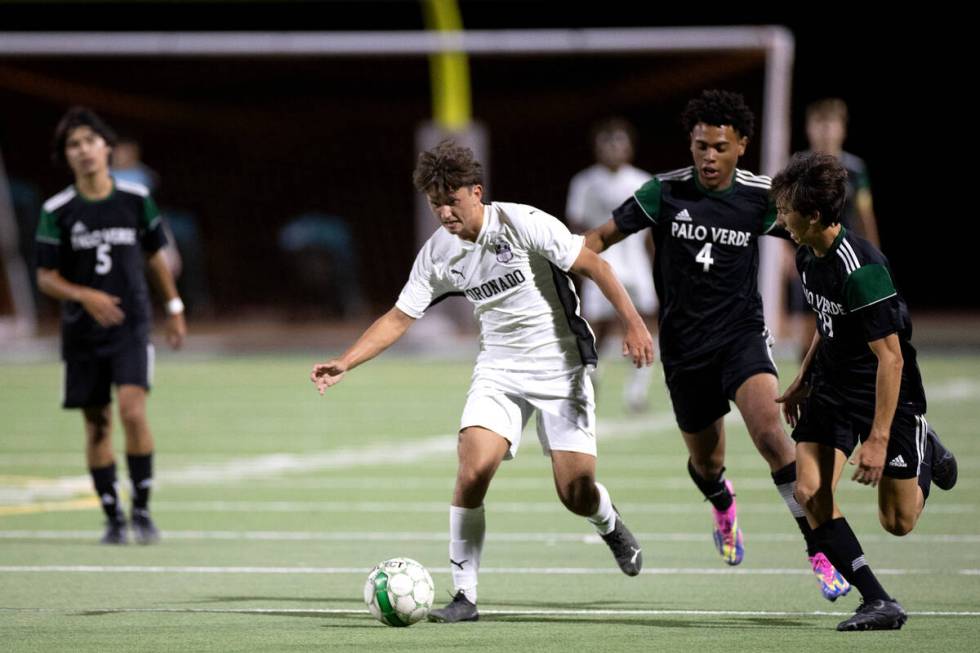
(79, 228)
(683, 216)
(897, 461)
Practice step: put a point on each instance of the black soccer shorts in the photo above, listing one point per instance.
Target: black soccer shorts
(829, 422)
(88, 381)
(700, 390)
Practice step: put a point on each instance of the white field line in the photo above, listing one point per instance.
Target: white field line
(548, 571)
(283, 464)
(440, 536)
(557, 612)
(516, 507)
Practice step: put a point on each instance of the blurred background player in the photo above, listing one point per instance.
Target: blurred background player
(826, 131)
(592, 196)
(511, 262)
(96, 242)
(859, 383)
(706, 221)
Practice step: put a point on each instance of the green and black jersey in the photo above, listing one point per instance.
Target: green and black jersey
(101, 244)
(707, 257)
(851, 290)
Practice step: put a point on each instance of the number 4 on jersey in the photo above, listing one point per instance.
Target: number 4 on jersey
(704, 256)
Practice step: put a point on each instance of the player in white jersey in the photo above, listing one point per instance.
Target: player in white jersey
(592, 196)
(511, 262)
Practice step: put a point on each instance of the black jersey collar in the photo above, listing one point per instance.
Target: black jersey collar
(81, 196)
(833, 246)
(713, 193)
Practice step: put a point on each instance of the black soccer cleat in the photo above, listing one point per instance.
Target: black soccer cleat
(459, 609)
(875, 615)
(624, 548)
(144, 530)
(943, 463)
(115, 531)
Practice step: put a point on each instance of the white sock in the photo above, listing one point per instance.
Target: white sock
(467, 528)
(604, 518)
(786, 492)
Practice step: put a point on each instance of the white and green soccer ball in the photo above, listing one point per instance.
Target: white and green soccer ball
(399, 592)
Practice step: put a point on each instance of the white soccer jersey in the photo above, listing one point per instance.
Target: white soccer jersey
(592, 196)
(515, 277)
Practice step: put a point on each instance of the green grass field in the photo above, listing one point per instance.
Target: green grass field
(275, 503)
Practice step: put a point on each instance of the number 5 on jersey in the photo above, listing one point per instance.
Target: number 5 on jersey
(704, 256)
(103, 262)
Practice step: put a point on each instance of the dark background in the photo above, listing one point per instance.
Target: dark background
(246, 144)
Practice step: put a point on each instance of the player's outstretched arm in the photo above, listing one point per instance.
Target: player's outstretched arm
(638, 343)
(103, 307)
(163, 281)
(603, 237)
(385, 331)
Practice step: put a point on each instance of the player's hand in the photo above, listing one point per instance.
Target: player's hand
(638, 345)
(327, 374)
(176, 330)
(870, 461)
(792, 400)
(103, 307)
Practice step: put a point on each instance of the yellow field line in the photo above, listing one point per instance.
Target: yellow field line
(50, 506)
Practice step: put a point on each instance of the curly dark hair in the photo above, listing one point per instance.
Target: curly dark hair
(73, 119)
(446, 168)
(718, 108)
(812, 183)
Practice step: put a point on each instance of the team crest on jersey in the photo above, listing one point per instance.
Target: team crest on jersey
(502, 250)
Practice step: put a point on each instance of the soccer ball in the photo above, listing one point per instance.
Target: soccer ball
(399, 592)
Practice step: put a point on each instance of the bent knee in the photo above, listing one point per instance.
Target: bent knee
(815, 500)
(773, 444)
(897, 523)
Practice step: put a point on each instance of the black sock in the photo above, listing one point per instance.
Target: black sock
(925, 470)
(714, 491)
(785, 480)
(104, 479)
(141, 475)
(841, 546)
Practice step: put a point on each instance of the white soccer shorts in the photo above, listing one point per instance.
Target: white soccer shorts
(504, 400)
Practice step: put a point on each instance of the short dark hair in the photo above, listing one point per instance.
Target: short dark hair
(827, 109)
(812, 183)
(446, 168)
(614, 124)
(74, 118)
(719, 108)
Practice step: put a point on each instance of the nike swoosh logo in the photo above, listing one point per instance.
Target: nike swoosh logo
(458, 564)
(636, 554)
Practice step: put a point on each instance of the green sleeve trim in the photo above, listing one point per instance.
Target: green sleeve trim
(151, 214)
(769, 220)
(868, 285)
(648, 197)
(47, 229)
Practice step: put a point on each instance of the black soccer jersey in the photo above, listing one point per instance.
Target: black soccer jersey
(851, 290)
(101, 244)
(707, 257)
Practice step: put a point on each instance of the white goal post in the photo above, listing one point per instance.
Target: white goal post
(775, 43)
